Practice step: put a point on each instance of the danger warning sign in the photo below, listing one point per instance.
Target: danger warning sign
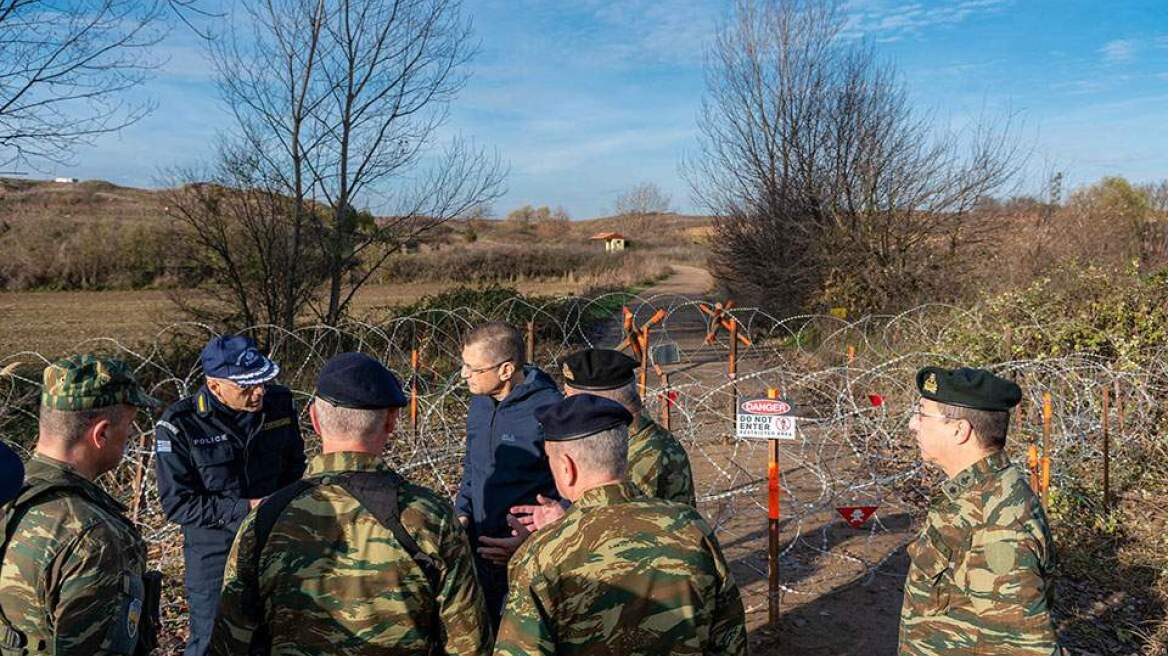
(856, 515)
(766, 419)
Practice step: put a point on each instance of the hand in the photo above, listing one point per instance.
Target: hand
(537, 517)
(464, 520)
(255, 502)
(499, 550)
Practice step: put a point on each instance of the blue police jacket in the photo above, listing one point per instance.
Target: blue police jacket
(211, 459)
(504, 463)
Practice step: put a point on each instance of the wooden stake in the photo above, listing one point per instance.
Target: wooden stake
(531, 341)
(1106, 450)
(139, 477)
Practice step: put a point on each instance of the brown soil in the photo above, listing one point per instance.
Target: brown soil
(841, 587)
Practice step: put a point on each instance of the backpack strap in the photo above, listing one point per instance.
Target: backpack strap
(267, 514)
(378, 492)
(31, 492)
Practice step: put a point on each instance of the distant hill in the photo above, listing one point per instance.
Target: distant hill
(100, 201)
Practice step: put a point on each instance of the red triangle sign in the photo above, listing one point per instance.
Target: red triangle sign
(856, 515)
(876, 400)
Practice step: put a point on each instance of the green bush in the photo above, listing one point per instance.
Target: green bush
(1074, 310)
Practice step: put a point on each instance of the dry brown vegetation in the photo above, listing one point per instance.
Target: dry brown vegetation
(98, 236)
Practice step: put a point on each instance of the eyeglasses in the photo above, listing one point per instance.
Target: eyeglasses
(917, 411)
(473, 371)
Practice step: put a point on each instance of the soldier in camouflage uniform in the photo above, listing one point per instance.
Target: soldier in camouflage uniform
(343, 570)
(657, 462)
(73, 574)
(621, 573)
(981, 576)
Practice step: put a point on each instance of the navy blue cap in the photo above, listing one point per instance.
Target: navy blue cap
(580, 416)
(11, 474)
(355, 380)
(237, 359)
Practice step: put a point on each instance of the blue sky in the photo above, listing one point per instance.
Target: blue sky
(586, 98)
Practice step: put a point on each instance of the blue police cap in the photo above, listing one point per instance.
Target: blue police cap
(237, 359)
(579, 416)
(11, 474)
(355, 380)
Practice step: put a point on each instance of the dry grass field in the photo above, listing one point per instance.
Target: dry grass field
(52, 323)
(89, 260)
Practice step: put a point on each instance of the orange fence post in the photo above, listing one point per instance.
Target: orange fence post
(414, 359)
(720, 318)
(732, 371)
(666, 401)
(773, 523)
(1046, 417)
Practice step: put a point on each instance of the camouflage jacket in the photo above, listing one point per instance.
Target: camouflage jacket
(71, 576)
(335, 581)
(980, 581)
(622, 574)
(658, 464)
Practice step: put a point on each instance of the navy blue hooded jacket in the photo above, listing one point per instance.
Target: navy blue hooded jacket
(504, 464)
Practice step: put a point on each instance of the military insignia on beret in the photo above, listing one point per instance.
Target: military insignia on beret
(930, 385)
(568, 375)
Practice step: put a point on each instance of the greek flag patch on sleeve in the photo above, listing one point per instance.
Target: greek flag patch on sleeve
(162, 434)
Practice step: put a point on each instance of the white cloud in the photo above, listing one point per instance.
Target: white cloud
(887, 21)
(1119, 50)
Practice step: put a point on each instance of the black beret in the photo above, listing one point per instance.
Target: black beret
(355, 380)
(968, 388)
(579, 416)
(599, 369)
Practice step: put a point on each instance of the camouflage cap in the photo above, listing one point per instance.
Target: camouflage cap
(86, 382)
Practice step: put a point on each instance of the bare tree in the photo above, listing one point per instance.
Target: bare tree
(65, 68)
(829, 189)
(340, 101)
(644, 198)
(243, 245)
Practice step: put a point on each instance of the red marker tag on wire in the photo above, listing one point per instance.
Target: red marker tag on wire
(856, 515)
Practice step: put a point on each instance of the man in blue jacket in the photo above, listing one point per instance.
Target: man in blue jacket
(504, 464)
(219, 453)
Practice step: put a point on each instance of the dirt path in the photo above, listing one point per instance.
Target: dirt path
(835, 598)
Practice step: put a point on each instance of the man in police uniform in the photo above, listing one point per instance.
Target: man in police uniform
(73, 574)
(658, 464)
(219, 453)
(981, 574)
(356, 559)
(620, 573)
